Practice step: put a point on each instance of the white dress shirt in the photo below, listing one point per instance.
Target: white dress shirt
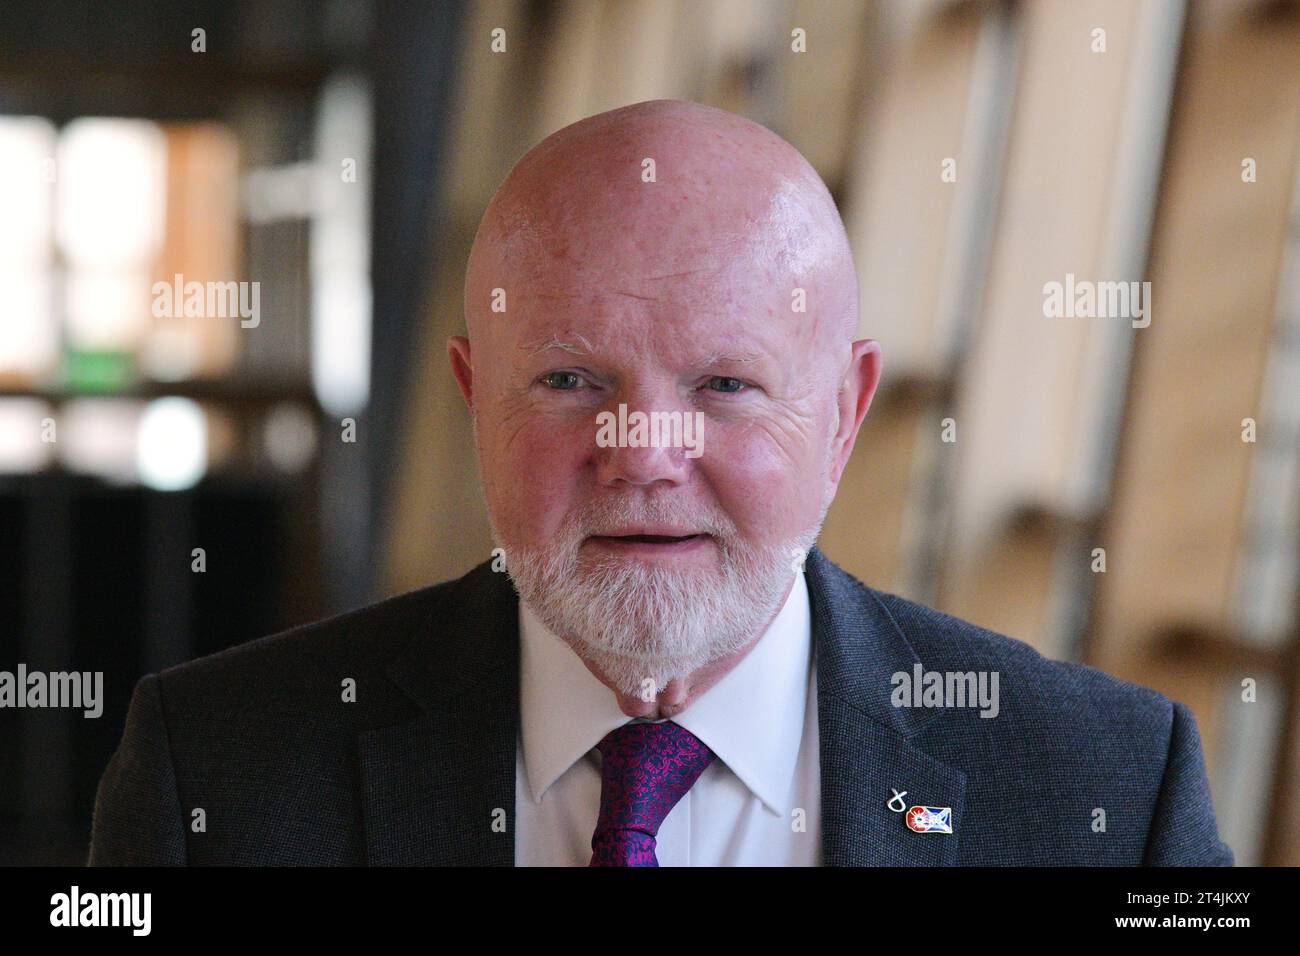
(757, 804)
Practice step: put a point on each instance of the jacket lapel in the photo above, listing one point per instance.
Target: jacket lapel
(439, 788)
(865, 749)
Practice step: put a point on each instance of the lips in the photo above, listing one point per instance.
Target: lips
(643, 538)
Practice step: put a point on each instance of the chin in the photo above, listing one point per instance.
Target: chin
(652, 625)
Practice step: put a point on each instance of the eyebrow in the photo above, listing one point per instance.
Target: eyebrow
(535, 348)
(718, 358)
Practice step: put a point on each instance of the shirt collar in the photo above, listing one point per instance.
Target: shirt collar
(752, 718)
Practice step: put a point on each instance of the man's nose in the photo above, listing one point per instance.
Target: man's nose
(641, 466)
(631, 459)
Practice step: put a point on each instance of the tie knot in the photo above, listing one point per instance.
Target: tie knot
(645, 769)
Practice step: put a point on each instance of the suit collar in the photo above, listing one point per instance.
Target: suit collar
(467, 644)
(439, 788)
(866, 745)
(860, 647)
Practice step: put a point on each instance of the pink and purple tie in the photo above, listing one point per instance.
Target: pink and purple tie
(645, 769)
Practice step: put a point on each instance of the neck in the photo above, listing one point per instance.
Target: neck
(681, 691)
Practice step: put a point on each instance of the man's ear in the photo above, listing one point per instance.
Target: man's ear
(462, 367)
(854, 399)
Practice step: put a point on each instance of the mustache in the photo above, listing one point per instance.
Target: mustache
(609, 514)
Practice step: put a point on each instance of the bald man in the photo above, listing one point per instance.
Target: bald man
(657, 667)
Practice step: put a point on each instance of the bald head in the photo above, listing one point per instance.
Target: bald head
(662, 190)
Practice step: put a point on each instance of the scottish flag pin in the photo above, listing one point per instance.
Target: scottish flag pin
(930, 819)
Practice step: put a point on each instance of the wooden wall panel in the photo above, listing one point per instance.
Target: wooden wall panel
(1177, 519)
(1021, 411)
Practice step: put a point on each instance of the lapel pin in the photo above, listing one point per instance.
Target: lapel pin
(897, 798)
(930, 819)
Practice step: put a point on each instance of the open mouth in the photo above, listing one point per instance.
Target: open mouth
(649, 543)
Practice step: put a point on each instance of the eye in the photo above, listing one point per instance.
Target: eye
(563, 381)
(722, 383)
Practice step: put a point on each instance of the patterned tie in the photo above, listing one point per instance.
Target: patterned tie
(645, 769)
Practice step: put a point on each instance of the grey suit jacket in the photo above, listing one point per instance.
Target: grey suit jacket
(253, 755)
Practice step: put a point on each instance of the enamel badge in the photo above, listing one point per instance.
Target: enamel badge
(930, 819)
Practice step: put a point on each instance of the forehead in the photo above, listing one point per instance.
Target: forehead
(670, 329)
(677, 305)
(681, 261)
(621, 343)
(774, 228)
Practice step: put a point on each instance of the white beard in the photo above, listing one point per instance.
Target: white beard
(640, 625)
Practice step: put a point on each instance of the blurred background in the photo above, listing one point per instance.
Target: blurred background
(174, 484)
